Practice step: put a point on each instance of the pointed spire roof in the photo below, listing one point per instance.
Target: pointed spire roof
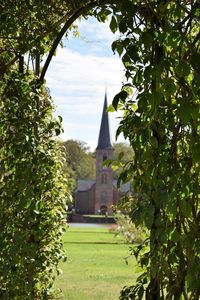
(104, 133)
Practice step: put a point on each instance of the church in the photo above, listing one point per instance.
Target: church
(100, 195)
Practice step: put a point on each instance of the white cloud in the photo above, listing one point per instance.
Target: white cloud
(77, 79)
(91, 29)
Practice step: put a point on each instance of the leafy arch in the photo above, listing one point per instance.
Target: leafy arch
(159, 46)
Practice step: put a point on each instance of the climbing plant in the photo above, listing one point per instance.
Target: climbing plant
(33, 193)
(159, 46)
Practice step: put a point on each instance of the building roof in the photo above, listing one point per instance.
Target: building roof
(104, 133)
(84, 185)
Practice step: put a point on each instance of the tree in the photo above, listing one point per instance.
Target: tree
(123, 155)
(123, 150)
(80, 160)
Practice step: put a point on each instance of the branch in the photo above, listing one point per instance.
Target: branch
(72, 17)
(69, 22)
(60, 35)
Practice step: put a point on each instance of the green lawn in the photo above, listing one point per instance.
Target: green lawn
(95, 269)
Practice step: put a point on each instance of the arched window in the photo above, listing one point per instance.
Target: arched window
(104, 179)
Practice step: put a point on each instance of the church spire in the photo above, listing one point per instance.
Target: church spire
(104, 133)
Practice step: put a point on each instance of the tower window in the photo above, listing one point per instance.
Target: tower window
(104, 178)
(104, 157)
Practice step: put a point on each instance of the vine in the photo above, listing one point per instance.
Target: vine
(159, 47)
(32, 188)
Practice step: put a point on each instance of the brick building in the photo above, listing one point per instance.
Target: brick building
(92, 196)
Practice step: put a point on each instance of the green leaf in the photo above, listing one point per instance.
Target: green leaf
(115, 165)
(173, 38)
(147, 38)
(187, 110)
(175, 236)
(121, 97)
(110, 108)
(155, 99)
(60, 119)
(117, 45)
(196, 153)
(126, 60)
(183, 69)
(154, 142)
(169, 86)
(113, 24)
(137, 80)
(185, 208)
(133, 52)
(57, 131)
(128, 7)
(123, 25)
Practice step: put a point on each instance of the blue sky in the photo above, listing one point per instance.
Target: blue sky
(77, 78)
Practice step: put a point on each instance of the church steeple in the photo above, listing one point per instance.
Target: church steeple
(104, 133)
(104, 174)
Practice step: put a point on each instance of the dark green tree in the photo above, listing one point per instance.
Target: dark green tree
(80, 160)
(123, 150)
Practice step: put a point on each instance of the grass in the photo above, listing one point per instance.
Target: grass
(95, 268)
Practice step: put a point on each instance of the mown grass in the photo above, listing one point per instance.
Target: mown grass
(95, 268)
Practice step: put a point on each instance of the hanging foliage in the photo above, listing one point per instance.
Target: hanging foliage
(32, 190)
(159, 46)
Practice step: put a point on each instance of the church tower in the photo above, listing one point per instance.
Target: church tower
(104, 175)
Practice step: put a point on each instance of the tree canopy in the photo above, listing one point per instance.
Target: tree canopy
(80, 160)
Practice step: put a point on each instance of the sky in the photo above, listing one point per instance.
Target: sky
(77, 79)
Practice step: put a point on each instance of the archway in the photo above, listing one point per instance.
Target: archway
(160, 51)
